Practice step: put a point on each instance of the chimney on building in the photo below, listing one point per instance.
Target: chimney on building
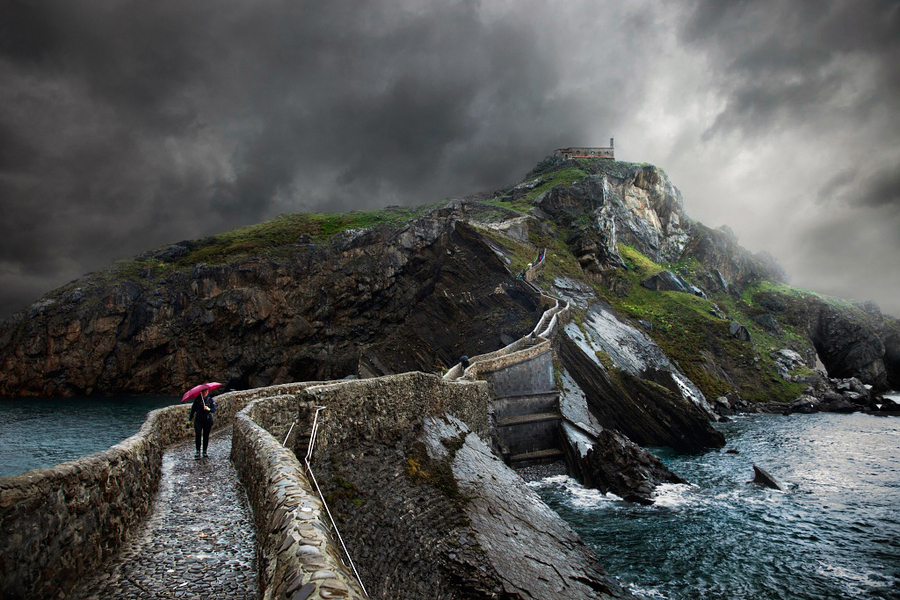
(611, 144)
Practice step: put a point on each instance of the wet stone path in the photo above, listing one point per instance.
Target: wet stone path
(199, 540)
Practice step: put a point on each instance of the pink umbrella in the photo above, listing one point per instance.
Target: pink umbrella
(199, 388)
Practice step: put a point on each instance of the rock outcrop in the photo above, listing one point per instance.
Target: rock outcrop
(645, 411)
(604, 459)
(762, 477)
(367, 302)
(667, 281)
(462, 525)
(850, 341)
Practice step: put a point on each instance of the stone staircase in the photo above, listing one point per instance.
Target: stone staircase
(524, 413)
(526, 428)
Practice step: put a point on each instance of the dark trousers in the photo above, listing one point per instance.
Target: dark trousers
(202, 429)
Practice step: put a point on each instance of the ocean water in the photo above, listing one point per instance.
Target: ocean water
(834, 532)
(37, 433)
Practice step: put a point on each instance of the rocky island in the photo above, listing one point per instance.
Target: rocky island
(649, 327)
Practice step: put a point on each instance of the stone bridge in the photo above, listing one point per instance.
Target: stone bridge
(142, 519)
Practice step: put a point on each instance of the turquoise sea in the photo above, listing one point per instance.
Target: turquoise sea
(834, 532)
(42, 432)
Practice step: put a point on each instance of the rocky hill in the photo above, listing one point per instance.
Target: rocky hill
(314, 297)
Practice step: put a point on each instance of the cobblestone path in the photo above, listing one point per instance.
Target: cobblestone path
(199, 540)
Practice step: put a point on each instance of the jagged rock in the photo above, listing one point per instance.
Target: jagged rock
(768, 322)
(633, 351)
(738, 331)
(787, 360)
(717, 312)
(761, 477)
(604, 459)
(642, 409)
(610, 462)
(804, 404)
(722, 406)
(629, 204)
(727, 266)
(840, 405)
(886, 406)
(669, 281)
(891, 340)
(849, 346)
(849, 341)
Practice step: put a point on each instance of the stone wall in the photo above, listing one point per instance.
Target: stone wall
(525, 377)
(297, 548)
(481, 368)
(296, 553)
(546, 327)
(386, 407)
(59, 523)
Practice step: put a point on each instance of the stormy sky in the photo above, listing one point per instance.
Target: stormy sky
(128, 125)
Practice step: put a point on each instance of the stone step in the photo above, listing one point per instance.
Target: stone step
(525, 396)
(539, 457)
(529, 419)
(510, 406)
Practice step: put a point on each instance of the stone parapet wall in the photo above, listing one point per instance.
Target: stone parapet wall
(297, 550)
(380, 408)
(487, 366)
(296, 554)
(542, 331)
(59, 523)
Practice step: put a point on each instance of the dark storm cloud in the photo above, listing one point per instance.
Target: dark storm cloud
(126, 125)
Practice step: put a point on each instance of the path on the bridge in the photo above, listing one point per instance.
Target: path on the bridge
(199, 540)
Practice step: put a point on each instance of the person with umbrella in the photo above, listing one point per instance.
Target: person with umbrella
(201, 414)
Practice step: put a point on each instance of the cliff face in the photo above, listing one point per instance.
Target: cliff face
(377, 301)
(416, 293)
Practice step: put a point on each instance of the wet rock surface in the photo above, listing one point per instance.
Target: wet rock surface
(199, 541)
(639, 393)
(433, 514)
(604, 459)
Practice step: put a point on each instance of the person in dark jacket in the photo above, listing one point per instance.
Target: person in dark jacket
(201, 416)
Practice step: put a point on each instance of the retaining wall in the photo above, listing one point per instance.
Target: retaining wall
(526, 375)
(59, 523)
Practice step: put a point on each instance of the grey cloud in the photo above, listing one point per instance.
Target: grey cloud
(782, 61)
(128, 125)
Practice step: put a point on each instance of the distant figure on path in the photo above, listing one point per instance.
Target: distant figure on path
(201, 416)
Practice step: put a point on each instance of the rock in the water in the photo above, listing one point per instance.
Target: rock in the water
(610, 462)
(804, 404)
(761, 477)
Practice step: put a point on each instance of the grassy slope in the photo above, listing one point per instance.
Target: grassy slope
(276, 238)
(682, 324)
